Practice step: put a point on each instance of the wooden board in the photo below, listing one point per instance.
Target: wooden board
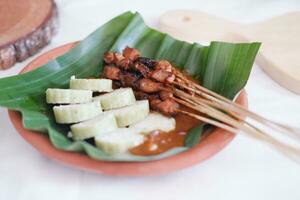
(25, 27)
(279, 55)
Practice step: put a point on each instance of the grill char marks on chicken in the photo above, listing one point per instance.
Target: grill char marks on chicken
(161, 75)
(147, 62)
(131, 53)
(109, 58)
(141, 68)
(129, 79)
(164, 65)
(124, 63)
(149, 86)
(143, 96)
(167, 107)
(147, 77)
(111, 72)
(164, 95)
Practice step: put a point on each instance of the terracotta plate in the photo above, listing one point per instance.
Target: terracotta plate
(209, 146)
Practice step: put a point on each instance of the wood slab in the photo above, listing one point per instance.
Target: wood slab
(279, 55)
(25, 27)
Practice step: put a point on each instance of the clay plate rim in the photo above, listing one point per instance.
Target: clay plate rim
(208, 147)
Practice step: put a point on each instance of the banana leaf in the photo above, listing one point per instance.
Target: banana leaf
(221, 67)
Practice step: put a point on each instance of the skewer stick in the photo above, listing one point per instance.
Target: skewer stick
(210, 121)
(208, 102)
(236, 125)
(221, 102)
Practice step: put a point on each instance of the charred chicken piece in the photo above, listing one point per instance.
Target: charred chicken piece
(131, 53)
(164, 65)
(164, 94)
(143, 96)
(154, 102)
(118, 57)
(167, 107)
(124, 63)
(113, 58)
(116, 84)
(146, 76)
(109, 58)
(128, 79)
(162, 75)
(171, 78)
(147, 62)
(149, 86)
(141, 68)
(111, 72)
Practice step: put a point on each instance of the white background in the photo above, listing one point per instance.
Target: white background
(244, 170)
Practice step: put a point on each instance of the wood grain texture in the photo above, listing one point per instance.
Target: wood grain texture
(25, 27)
(280, 37)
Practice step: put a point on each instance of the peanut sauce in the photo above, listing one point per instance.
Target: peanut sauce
(158, 142)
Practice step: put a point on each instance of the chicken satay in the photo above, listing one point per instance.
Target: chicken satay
(149, 86)
(129, 79)
(148, 62)
(167, 107)
(154, 102)
(141, 68)
(164, 65)
(113, 57)
(111, 72)
(162, 76)
(143, 96)
(109, 58)
(131, 53)
(164, 94)
(118, 57)
(116, 84)
(124, 64)
(140, 95)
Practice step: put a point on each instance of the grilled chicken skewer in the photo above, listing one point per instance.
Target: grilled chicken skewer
(168, 89)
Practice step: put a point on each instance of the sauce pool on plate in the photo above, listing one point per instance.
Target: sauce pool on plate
(158, 142)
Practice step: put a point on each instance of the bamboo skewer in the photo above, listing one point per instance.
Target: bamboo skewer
(209, 121)
(240, 109)
(249, 130)
(219, 98)
(215, 109)
(230, 106)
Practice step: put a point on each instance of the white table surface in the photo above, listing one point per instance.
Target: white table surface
(245, 169)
